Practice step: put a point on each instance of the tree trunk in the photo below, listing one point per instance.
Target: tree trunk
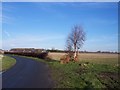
(75, 53)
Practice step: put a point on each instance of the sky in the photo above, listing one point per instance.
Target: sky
(47, 25)
(60, 0)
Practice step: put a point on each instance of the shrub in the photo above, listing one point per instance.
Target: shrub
(64, 59)
(42, 55)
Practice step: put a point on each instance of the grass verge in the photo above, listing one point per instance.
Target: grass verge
(87, 76)
(7, 62)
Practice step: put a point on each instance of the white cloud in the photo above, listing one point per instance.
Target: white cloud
(44, 41)
(6, 33)
(103, 43)
(6, 17)
(104, 38)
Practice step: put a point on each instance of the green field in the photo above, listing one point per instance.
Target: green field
(92, 71)
(6, 62)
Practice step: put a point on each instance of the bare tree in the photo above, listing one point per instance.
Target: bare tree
(69, 48)
(75, 40)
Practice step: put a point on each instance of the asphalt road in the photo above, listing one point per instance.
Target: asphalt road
(27, 73)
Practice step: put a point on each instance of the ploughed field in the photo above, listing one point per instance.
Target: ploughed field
(94, 70)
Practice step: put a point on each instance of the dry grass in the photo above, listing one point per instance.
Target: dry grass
(1, 56)
(57, 56)
(91, 57)
(6, 62)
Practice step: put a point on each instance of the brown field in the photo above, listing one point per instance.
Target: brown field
(102, 58)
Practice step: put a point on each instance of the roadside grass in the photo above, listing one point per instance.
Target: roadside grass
(1, 56)
(7, 62)
(73, 75)
(85, 74)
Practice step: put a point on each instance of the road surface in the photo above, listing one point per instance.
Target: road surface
(27, 73)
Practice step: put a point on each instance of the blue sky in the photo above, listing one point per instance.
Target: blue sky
(46, 25)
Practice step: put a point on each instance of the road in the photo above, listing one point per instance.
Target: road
(27, 73)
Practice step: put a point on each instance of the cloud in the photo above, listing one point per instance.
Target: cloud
(80, 5)
(0, 13)
(7, 19)
(6, 33)
(103, 38)
(0, 44)
(94, 5)
(103, 43)
(50, 7)
(6, 13)
(43, 41)
(98, 22)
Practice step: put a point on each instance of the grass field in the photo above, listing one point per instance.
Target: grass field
(6, 62)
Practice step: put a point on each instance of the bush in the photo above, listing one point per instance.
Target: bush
(42, 55)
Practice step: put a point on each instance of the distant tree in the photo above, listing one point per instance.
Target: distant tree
(75, 40)
(98, 51)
